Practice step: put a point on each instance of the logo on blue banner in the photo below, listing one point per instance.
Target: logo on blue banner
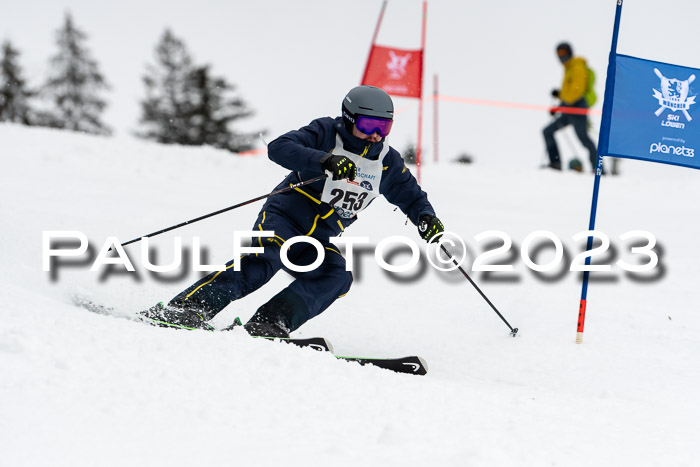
(674, 96)
(657, 126)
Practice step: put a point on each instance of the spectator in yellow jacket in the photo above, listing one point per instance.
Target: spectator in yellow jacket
(573, 95)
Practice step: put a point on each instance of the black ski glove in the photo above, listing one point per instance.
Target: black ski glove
(555, 93)
(341, 167)
(429, 226)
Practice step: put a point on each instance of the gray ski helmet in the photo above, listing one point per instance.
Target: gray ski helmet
(366, 100)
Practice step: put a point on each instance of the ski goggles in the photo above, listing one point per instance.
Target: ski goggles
(371, 125)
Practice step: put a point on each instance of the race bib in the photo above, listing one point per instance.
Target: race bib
(350, 197)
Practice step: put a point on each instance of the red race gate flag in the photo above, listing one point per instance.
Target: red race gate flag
(397, 71)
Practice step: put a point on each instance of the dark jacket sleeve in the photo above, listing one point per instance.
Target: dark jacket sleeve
(401, 189)
(302, 149)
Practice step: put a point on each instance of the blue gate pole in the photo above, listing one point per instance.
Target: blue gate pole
(603, 140)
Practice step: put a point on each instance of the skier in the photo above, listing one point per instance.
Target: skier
(576, 92)
(362, 166)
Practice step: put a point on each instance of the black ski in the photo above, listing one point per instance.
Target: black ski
(411, 365)
(316, 343)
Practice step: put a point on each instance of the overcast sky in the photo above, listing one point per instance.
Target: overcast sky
(294, 60)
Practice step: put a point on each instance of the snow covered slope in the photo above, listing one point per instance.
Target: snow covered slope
(80, 389)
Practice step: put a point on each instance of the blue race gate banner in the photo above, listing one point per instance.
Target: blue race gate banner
(649, 113)
(654, 114)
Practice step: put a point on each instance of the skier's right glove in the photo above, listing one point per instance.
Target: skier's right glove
(555, 93)
(429, 226)
(341, 167)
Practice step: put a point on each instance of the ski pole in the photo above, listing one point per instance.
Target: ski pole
(220, 211)
(513, 331)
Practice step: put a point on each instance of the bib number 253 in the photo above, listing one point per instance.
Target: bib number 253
(347, 199)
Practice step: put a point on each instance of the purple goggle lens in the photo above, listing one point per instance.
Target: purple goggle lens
(370, 125)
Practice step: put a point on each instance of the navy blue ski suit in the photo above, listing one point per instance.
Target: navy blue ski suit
(301, 212)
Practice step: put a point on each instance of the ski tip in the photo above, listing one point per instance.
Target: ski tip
(423, 363)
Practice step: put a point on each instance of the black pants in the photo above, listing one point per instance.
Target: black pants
(580, 123)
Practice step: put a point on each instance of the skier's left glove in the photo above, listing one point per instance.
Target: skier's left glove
(429, 226)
